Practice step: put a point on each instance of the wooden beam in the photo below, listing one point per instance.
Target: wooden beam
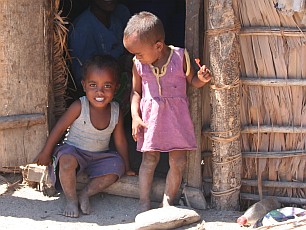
(254, 129)
(274, 154)
(285, 200)
(193, 175)
(268, 184)
(22, 120)
(128, 186)
(274, 184)
(272, 82)
(272, 31)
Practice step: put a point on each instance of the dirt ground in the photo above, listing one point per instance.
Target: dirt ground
(25, 207)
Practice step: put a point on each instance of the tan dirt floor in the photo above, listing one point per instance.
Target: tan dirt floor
(28, 208)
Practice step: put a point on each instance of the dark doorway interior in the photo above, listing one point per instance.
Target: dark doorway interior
(172, 13)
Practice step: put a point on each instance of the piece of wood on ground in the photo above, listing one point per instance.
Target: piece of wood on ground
(194, 198)
(3, 185)
(166, 218)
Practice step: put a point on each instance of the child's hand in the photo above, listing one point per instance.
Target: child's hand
(43, 159)
(130, 173)
(204, 74)
(137, 123)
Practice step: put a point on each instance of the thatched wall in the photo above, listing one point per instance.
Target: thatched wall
(273, 115)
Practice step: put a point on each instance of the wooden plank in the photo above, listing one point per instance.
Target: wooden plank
(268, 184)
(22, 120)
(272, 82)
(273, 129)
(272, 31)
(193, 175)
(284, 200)
(274, 154)
(128, 186)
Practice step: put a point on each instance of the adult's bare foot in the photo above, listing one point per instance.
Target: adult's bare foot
(71, 209)
(84, 203)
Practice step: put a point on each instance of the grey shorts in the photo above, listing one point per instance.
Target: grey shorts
(94, 164)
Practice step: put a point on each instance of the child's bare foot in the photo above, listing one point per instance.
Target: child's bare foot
(84, 203)
(71, 209)
(144, 206)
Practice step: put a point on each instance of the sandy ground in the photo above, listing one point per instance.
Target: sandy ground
(27, 207)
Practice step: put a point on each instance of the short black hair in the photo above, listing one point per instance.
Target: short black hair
(147, 26)
(102, 62)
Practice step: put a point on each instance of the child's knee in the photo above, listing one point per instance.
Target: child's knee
(150, 160)
(68, 162)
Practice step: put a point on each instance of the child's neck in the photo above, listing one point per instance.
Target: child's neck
(164, 55)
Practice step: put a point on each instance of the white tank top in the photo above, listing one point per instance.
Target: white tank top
(83, 135)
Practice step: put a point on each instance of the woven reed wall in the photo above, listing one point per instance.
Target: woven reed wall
(273, 111)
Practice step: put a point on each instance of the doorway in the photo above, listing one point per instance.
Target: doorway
(172, 13)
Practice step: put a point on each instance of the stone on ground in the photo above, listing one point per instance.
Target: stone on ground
(166, 218)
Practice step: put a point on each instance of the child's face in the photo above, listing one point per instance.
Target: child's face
(145, 52)
(100, 86)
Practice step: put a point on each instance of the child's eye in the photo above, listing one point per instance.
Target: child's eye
(107, 86)
(92, 85)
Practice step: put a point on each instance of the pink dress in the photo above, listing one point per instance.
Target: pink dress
(164, 107)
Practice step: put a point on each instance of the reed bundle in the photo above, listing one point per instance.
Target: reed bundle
(60, 56)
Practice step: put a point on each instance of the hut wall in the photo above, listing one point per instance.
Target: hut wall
(273, 112)
(24, 75)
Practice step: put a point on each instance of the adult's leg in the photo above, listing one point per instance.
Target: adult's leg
(177, 163)
(96, 185)
(146, 173)
(67, 175)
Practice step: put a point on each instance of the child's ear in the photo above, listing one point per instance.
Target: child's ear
(159, 45)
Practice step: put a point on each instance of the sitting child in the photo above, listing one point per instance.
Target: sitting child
(91, 121)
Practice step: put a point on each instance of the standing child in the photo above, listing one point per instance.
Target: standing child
(159, 104)
(91, 121)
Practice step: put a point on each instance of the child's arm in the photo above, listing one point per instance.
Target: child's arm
(135, 103)
(197, 80)
(73, 112)
(122, 145)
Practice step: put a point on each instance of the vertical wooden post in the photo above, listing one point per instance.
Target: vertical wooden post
(193, 176)
(225, 100)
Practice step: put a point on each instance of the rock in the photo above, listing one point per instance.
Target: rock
(166, 218)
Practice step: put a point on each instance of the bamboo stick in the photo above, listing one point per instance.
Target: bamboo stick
(274, 184)
(275, 31)
(268, 184)
(286, 200)
(274, 154)
(272, 81)
(21, 120)
(252, 129)
(273, 129)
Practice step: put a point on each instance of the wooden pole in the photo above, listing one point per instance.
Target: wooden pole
(193, 176)
(224, 50)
